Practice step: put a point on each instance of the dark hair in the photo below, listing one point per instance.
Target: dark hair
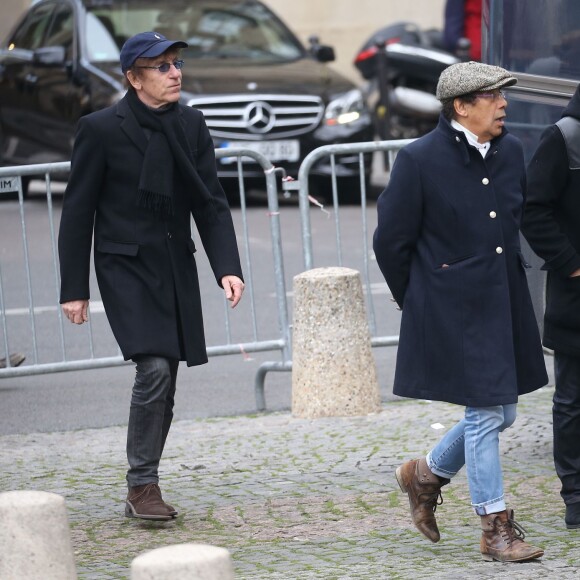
(448, 108)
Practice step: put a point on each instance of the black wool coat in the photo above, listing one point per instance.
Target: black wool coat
(144, 263)
(552, 228)
(447, 243)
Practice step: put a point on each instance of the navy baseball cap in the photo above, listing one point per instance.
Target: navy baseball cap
(146, 45)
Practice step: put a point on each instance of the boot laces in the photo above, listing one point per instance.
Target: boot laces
(433, 499)
(519, 531)
(512, 531)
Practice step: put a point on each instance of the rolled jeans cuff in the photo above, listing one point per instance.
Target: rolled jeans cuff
(439, 472)
(490, 507)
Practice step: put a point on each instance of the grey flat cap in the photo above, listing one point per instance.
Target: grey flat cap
(472, 77)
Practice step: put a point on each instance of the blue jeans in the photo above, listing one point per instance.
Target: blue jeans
(474, 442)
(150, 416)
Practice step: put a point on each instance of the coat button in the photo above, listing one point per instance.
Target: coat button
(169, 235)
(485, 181)
(457, 138)
(499, 250)
(492, 215)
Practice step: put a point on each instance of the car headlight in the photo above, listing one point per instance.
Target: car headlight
(345, 108)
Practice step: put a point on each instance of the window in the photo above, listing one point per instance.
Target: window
(30, 33)
(61, 30)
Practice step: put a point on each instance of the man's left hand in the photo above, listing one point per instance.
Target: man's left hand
(234, 288)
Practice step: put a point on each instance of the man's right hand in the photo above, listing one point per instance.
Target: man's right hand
(575, 273)
(77, 311)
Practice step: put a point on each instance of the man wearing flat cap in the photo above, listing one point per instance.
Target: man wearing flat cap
(140, 169)
(447, 243)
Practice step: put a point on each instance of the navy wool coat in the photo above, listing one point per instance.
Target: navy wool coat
(448, 245)
(144, 263)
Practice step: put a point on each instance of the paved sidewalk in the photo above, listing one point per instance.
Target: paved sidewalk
(299, 499)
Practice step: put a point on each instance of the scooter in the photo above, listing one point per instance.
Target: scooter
(401, 64)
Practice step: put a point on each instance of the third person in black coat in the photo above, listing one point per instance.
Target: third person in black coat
(552, 228)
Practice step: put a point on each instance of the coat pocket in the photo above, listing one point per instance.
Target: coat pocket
(121, 248)
(453, 262)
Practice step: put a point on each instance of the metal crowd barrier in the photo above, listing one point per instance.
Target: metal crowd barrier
(309, 208)
(61, 358)
(369, 280)
(389, 149)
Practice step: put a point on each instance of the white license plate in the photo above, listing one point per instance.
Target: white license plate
(281, 150)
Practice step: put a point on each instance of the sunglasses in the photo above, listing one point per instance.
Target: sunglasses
(165, 66)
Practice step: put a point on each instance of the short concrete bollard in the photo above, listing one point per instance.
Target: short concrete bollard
(35, 539)
(333, 369)
(183, 562)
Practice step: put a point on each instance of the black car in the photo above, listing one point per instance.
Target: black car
(256, 84)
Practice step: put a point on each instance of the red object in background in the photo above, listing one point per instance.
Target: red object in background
(472, 27)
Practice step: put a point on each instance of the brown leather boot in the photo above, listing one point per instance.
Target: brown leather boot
(503, 539)
(146, 502)
(424, 490)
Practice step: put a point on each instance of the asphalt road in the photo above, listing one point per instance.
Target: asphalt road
(223, 387)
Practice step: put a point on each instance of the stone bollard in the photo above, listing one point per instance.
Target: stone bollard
(333, 369)
(183, 562)
(34, 537)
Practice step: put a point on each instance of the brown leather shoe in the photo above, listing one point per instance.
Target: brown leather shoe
(502, 539)
(145, 502)
(424, 490)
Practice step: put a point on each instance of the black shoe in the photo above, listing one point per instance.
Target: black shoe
(572, 518)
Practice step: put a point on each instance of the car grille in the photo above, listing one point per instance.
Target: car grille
(259, 117)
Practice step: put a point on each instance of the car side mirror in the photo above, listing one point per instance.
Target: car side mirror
(49, 56)
(320, 52)
(324, 53)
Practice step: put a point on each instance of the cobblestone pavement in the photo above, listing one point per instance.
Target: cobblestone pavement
(300, 499)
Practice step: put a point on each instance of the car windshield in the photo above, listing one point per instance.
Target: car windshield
(214, 29)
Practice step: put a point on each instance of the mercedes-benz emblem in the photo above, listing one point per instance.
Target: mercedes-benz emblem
(259, 117)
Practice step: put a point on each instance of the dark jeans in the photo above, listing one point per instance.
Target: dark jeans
(150, 416)
(566, 416)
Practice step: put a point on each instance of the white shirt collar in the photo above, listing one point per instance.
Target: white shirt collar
(471, 138)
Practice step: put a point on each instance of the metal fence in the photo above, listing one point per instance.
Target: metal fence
(388, 151)
(370, 279)
(352, 249)
(50, 347)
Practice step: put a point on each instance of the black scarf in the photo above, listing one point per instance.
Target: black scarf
(167, 148)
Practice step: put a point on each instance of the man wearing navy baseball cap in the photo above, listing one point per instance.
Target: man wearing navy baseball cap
(146, 45)
(140, 169)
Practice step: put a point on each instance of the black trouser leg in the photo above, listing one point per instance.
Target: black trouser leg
(566, 416)
(150, 417)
